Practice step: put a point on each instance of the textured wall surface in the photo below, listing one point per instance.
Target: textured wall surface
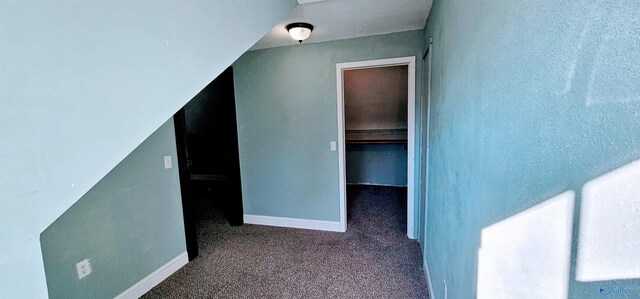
(532, 99)
(128, 225)
(286, 106)
(82, 84)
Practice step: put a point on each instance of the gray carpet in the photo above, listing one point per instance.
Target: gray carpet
(373, 259)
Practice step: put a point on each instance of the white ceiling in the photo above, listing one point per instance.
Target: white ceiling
(341, 19)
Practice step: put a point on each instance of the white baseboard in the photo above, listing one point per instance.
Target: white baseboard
(155, 278)
(428, 275)
(332, 226)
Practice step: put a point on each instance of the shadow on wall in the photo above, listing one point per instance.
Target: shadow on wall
(528, 255)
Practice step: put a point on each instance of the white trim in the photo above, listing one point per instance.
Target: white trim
(367, 64)
(332, 226)
(153, 279)
(342, 180)
(411, 157)
(411, 107)
(428, 275)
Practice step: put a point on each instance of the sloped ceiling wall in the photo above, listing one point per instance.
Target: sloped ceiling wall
(82, 84)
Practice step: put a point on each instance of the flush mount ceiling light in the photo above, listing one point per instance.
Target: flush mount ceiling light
(300, 31)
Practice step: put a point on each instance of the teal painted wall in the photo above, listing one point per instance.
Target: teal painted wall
(529, 99)
(128, 225)
(82, 84)
(286, 106)
(422, 164)
(376, 164)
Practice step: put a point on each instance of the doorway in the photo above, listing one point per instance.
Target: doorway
(383, 136)
(208, 158)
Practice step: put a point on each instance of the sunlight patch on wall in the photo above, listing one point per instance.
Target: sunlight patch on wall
(527, 255)
(609, 237)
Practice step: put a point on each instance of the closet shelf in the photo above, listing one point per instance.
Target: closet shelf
(379, 136)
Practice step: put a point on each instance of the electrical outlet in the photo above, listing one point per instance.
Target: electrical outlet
(84, 268)
(333, 146)
(167, 162)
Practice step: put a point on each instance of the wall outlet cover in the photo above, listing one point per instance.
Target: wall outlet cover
(167, 162)
(84, 268)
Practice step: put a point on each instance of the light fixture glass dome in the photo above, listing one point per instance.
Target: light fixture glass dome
(300, 31)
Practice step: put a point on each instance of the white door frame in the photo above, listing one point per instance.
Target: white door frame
(411, 107)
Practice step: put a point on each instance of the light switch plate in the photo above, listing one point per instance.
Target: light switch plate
(167, 162)
(333, 146)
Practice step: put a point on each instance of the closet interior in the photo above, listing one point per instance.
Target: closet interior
(375, 107)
